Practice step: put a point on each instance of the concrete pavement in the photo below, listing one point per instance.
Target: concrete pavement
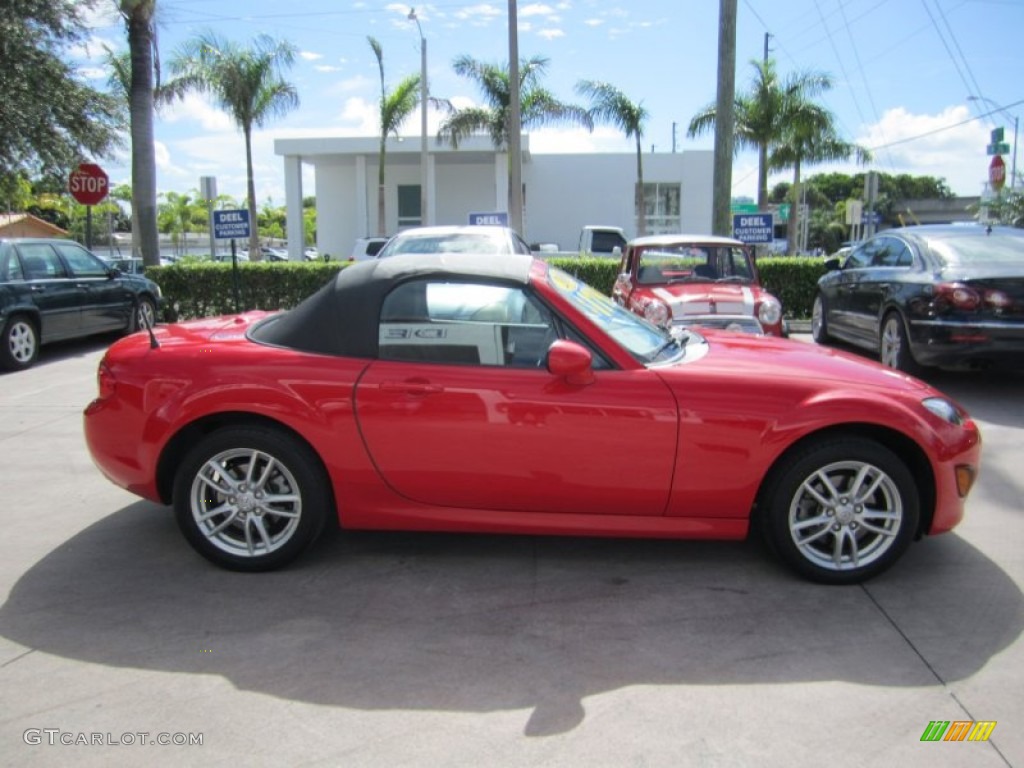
(435, 650)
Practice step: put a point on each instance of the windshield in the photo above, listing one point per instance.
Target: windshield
(692, 262)
(646, 342)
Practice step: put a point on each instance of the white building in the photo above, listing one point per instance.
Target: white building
(563, 192)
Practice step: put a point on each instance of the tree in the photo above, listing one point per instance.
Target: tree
(761, 113)
(537, 106)
(247, 83)
(50, 119)
(809, 136)
(395, 107)
(608, 104)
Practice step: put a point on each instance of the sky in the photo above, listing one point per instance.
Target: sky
(921, 83)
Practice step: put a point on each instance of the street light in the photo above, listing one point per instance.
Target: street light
(1013, 163)
(423, 118)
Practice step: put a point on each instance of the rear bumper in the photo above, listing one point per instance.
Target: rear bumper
(944, 343)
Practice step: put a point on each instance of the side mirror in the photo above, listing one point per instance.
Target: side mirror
(831, 265)
(571, 361)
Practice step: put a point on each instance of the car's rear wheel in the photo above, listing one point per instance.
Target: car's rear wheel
(819, 323)
(251, 498)
(143, 315)
(20, 343)
(894, 346)
(841, 510)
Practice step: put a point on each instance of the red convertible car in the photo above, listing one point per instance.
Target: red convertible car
(697, 280)
(458, 393)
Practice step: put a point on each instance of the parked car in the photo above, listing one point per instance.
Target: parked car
(501, 395)
(697, 280)
(455, 239)
(51, 290)
(367, 248)
(931, 295)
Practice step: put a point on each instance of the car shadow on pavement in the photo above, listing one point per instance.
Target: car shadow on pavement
(475, 623)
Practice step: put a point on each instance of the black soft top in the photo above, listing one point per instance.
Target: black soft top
(342, 318)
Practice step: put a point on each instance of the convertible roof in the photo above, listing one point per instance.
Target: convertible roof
(342, 318)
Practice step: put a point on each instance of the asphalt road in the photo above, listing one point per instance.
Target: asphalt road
(435, 650)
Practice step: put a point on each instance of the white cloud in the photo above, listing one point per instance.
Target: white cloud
(310, 56)
(197, 108)
(550, 34)
(535, 9)
(327, 68)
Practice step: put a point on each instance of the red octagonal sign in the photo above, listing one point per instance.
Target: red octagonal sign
(997, 173)
(88, 184)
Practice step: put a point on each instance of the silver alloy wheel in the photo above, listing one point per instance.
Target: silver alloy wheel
(892, 342)
(817, 319)
(145, 315)
(21, 338)
(245, 502)
(845, 515)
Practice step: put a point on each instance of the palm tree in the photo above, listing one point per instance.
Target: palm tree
(537, 106)
(395, 107)
(809, 137)
(761, 114)
(610, 105)
(145, 64)
(248, 84)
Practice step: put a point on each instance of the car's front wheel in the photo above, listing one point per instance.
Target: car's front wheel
(894, 346)
(819, 322)
(143, 315)
(251, 498)
(841, 510)
(20, 343)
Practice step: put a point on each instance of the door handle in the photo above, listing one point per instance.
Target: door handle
(411, 387)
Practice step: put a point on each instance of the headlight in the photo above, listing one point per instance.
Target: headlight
(944, 409)
(657, 312)
(770, 311)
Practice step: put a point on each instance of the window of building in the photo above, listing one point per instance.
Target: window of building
(409, 205)
(661, 208)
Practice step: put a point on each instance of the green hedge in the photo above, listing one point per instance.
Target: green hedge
(204, 289)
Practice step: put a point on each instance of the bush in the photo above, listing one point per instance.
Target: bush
(204, 289)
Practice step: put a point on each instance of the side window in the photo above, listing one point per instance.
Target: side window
(82, 263)
(861, 256)
(40, 262)
(10, 267)
(469, 323)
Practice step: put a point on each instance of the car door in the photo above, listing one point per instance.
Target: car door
(105, 304)
(844, 301)
(51, 290)
(890, 260)
(460, 411)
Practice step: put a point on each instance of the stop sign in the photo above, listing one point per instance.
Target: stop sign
(88, 184)
(997, 173)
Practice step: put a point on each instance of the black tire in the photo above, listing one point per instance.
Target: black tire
(819, 320)
(20, 347)
(251, 532)
(850, 528)
(143, 315)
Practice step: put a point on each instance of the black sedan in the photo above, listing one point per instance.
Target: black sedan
(933, 295)
(51, 290)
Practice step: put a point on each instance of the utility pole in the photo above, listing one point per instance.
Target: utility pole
(721, 223)
(674, 126)
(767, 35)
(515, 151)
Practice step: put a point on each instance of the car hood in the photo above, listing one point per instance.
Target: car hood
(707, 298)
(771, 361)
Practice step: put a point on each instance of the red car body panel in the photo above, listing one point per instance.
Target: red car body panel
(671, 450)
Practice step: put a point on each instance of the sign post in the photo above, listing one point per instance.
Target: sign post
(232, 224)
(88, 184)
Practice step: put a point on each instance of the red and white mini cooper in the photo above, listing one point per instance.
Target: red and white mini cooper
(697, 280)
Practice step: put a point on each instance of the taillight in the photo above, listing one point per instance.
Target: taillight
(105, 381)
(956, 296)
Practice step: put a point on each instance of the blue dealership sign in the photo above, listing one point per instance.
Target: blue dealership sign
(231, 224)
(495, 219)
(757, 228)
